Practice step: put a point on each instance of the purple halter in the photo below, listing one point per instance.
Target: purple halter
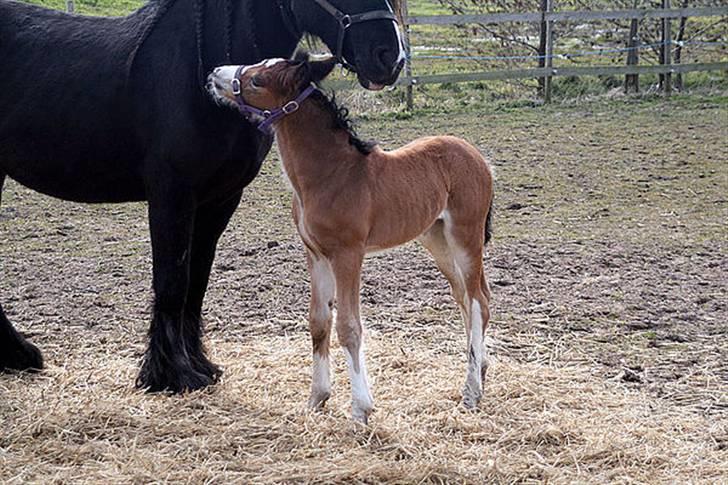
(269, 116)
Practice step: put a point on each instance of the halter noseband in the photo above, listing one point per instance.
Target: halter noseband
(269, 116)
(344, 22)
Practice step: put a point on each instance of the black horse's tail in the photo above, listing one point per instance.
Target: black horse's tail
(489, 223)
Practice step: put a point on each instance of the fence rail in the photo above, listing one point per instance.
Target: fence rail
(539, 72)
(500, 18)
(547, 18)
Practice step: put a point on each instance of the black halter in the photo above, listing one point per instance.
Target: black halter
(343, 20)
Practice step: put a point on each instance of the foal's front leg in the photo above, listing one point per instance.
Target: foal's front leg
(323, 291)
(347, 270)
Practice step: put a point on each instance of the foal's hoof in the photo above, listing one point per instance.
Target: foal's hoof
(471, 402)
(361, 416)
(24, 357)
(202, 365)
(317, 401)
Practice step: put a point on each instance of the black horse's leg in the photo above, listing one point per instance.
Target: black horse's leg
(16, 353)
(167, 365)
(210, 222)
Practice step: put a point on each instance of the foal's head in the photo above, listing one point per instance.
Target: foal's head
(267, 85)
(269, 90)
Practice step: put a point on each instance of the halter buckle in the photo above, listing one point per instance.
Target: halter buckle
(266, 113)
(345, 22)
(236, 86)
(291, 107)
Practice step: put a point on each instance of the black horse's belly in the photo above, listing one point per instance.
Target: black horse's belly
(88, 181)
(93, 164)
(242, 164)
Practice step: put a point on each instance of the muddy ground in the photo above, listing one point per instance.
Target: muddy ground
(609, 255)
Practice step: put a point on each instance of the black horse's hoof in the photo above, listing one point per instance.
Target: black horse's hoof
(24, 357)
(172, 380)
(202, 365)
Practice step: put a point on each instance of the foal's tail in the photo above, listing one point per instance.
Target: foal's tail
(489, 223)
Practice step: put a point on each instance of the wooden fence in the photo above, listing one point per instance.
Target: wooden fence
(546, 18)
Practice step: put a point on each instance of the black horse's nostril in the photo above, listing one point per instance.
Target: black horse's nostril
(385, 57)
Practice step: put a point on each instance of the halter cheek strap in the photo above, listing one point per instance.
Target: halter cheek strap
(344, 22)
(269, 116)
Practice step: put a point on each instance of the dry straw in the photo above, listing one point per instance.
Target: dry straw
(83, 423)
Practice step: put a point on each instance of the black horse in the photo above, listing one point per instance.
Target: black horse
(115, 110)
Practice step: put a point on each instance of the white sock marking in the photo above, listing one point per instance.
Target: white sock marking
(473, 382)
(476, 334)
(362, 402)
(321, 382)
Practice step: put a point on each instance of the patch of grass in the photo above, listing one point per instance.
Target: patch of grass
(112, 8)
(426, 7)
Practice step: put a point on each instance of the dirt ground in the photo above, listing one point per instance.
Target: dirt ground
(609, 271)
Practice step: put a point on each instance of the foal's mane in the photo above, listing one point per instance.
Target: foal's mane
(340, 120)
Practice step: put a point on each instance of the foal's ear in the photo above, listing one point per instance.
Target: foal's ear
(320, 68)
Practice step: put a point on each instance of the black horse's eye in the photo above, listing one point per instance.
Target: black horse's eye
(257, 81)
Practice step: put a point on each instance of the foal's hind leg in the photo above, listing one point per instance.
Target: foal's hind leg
(323, 289)
(16, 353)
(435, 242)
(466, 240)
(457, 250)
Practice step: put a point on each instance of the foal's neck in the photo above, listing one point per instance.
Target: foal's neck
(311, 148)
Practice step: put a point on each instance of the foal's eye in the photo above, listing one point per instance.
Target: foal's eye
(256, 81)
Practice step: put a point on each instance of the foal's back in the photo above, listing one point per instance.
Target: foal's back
(428, 179)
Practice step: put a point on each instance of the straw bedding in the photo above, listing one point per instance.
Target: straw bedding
(83, 423)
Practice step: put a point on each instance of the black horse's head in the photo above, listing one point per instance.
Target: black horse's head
(363, 34)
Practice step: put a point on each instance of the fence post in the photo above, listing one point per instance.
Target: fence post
(632, 81)
(666, 49)
(542, 45)
(70, 6)
(549, 54)
(408, 54)
(677, 59)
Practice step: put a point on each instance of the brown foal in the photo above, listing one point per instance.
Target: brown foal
(350, 198)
